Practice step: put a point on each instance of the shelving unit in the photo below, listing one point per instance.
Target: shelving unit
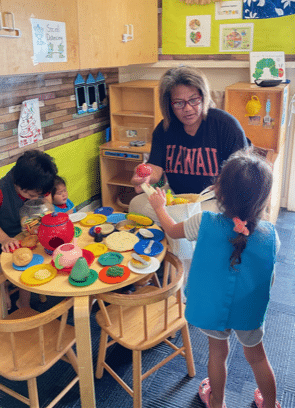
(270, 137)
(135, 106)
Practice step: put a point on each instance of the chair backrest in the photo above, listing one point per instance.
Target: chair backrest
(13, 324)
(172, 282)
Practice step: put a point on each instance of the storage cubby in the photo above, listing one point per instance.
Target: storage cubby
(266, 127)
(134, 105)
(134, 111)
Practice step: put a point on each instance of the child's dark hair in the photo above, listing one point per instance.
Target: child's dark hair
(35, 170)
(242, 190)
(57, 182)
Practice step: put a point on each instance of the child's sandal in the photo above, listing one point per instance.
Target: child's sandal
(259, 399)
(205, 391)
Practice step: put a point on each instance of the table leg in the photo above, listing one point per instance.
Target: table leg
(84, 351)
(3, 305)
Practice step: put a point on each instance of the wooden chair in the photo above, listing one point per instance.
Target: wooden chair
(141, 321)
(31, 343)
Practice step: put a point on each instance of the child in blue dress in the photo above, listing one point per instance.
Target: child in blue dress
(60, 197)
(231, 273)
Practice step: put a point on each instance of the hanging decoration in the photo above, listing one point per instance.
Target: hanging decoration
(268, 8)
(29, 126)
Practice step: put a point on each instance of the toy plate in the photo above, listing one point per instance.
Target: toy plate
(158, 234)
(77, 231)
(93, 219)
(110, 258)
(104, 210)
(36, 260)
(117, 217)
(153, 267)
(27, 277)
(97, 248)
(78, 216)
(156, 248)
(93, 275)
(109, 279)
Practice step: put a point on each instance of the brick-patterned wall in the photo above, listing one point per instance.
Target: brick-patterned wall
(60, 122)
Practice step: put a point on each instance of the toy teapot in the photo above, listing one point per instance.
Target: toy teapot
(55, 229)
(66, 255)
(253, 106)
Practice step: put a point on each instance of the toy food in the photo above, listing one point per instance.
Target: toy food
(55, 229)
(29, 241)
(31, 213)
(140, 261)
(66, 255)
(80, 271)
(140, 219)
(173, 200)
(22, 256)
(253, 106)
(121, 241)
(42, 274)
(144, 170)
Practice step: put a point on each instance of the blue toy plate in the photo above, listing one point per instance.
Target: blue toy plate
(104, 210)
(37, 259)
(156, 249)
(117, 217)
(158, 234)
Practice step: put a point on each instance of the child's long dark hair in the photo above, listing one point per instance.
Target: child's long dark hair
(242, 190)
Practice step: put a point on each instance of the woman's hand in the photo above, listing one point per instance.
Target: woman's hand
(158, 199)
(141, 176)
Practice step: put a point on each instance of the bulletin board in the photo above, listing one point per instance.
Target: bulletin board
(271, 34)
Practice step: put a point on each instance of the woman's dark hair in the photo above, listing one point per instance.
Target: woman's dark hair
(242, 190)
(35, 170)
(57, 182)
(187, 76)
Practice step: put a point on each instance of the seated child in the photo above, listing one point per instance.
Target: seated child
(31, 177)
(60, 198)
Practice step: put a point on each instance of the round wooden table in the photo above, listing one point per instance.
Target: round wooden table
(60, 286)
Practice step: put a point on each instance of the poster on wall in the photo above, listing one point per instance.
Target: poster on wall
(226, 10)
(49, 41)
(198, 31)
(235, 37)
(267, 65)
(29, 125)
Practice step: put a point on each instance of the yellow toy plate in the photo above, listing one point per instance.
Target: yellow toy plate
(93, 219)
(97, 248)
(28, 276)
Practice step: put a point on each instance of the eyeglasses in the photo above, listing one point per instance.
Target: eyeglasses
(191, 102)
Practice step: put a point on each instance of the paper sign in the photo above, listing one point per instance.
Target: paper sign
(29, 126)
(198, 31)
(225, 10)
(235, 37)
(49, 41)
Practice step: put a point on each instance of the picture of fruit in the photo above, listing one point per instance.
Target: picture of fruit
(195, 37)
(194, 24)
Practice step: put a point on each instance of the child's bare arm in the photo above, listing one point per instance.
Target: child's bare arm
(8, 243)
(158, 201)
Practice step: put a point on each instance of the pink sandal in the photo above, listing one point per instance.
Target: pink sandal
(259, 400)
(205, 391)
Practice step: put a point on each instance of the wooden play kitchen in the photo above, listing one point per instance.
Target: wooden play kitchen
(59, 285)
(262, 113)
(134, 112)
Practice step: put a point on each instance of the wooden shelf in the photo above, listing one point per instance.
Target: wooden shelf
(135, 114)
(122, 179)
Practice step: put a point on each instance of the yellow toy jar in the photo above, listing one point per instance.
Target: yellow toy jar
(253, 106)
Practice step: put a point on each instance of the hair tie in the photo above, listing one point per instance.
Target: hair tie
(240, 226)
